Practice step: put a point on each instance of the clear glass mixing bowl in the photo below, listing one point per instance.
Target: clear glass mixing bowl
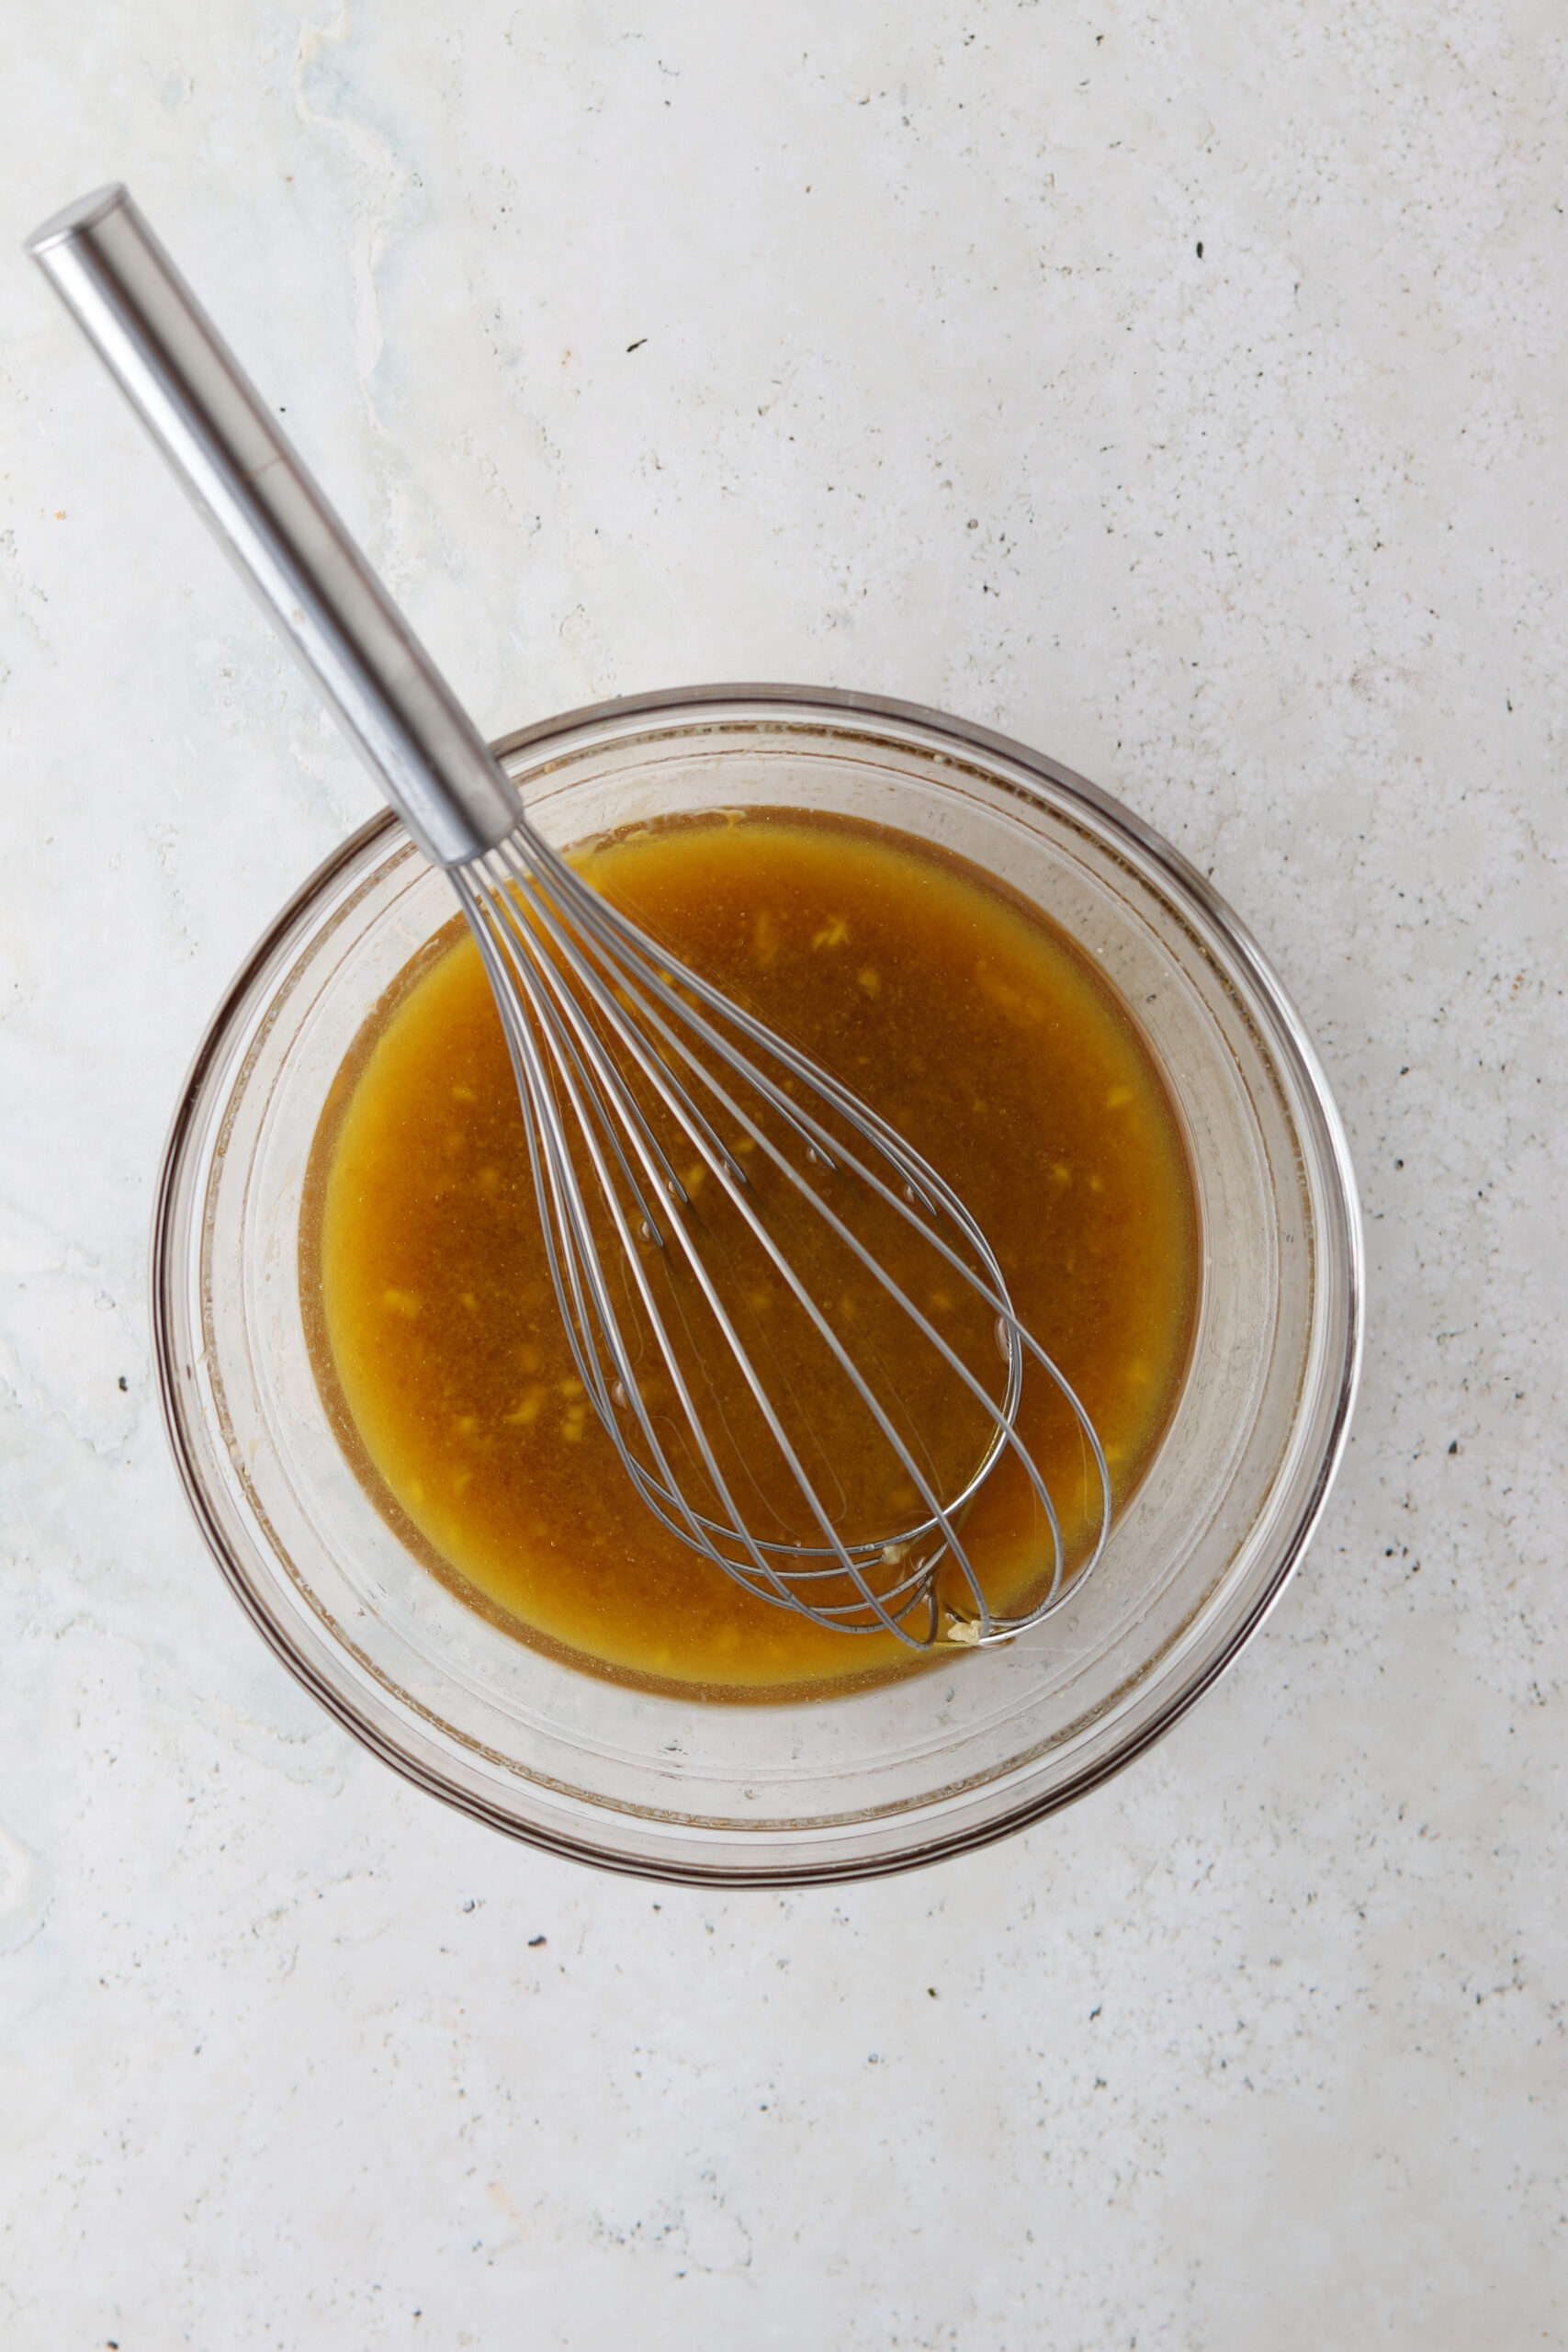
(841, 1788)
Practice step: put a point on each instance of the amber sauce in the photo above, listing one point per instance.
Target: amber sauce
(975, 1026)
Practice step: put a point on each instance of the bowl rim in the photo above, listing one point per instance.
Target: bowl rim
(965, 736)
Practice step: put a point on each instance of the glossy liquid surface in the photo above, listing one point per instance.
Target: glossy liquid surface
(969, 1022)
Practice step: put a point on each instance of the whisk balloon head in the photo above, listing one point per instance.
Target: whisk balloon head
(795, 1333)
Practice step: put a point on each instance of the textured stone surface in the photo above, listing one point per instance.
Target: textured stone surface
(1179, 388)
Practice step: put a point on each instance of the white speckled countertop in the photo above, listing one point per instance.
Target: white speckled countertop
(1179, 388)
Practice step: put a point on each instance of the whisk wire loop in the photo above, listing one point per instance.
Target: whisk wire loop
(701, 1134)
(576, 1270)
(657, 1072)
(567, 1200)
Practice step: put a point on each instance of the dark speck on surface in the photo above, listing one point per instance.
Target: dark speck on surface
(534, 1941)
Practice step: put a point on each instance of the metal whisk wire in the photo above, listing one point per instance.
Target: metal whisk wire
(552, 946)
(613, 1043)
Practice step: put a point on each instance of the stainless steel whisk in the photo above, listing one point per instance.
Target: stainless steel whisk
(637, 1079)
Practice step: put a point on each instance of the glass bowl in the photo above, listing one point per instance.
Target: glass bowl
(749, 1794)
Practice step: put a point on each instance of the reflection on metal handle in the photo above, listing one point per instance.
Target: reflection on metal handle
(424, 751)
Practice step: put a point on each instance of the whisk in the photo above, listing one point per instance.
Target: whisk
(686, 1159)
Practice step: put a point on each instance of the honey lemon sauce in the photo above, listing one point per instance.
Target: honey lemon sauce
(969, 1020)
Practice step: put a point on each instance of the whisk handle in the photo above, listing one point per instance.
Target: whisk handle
(424, 751)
